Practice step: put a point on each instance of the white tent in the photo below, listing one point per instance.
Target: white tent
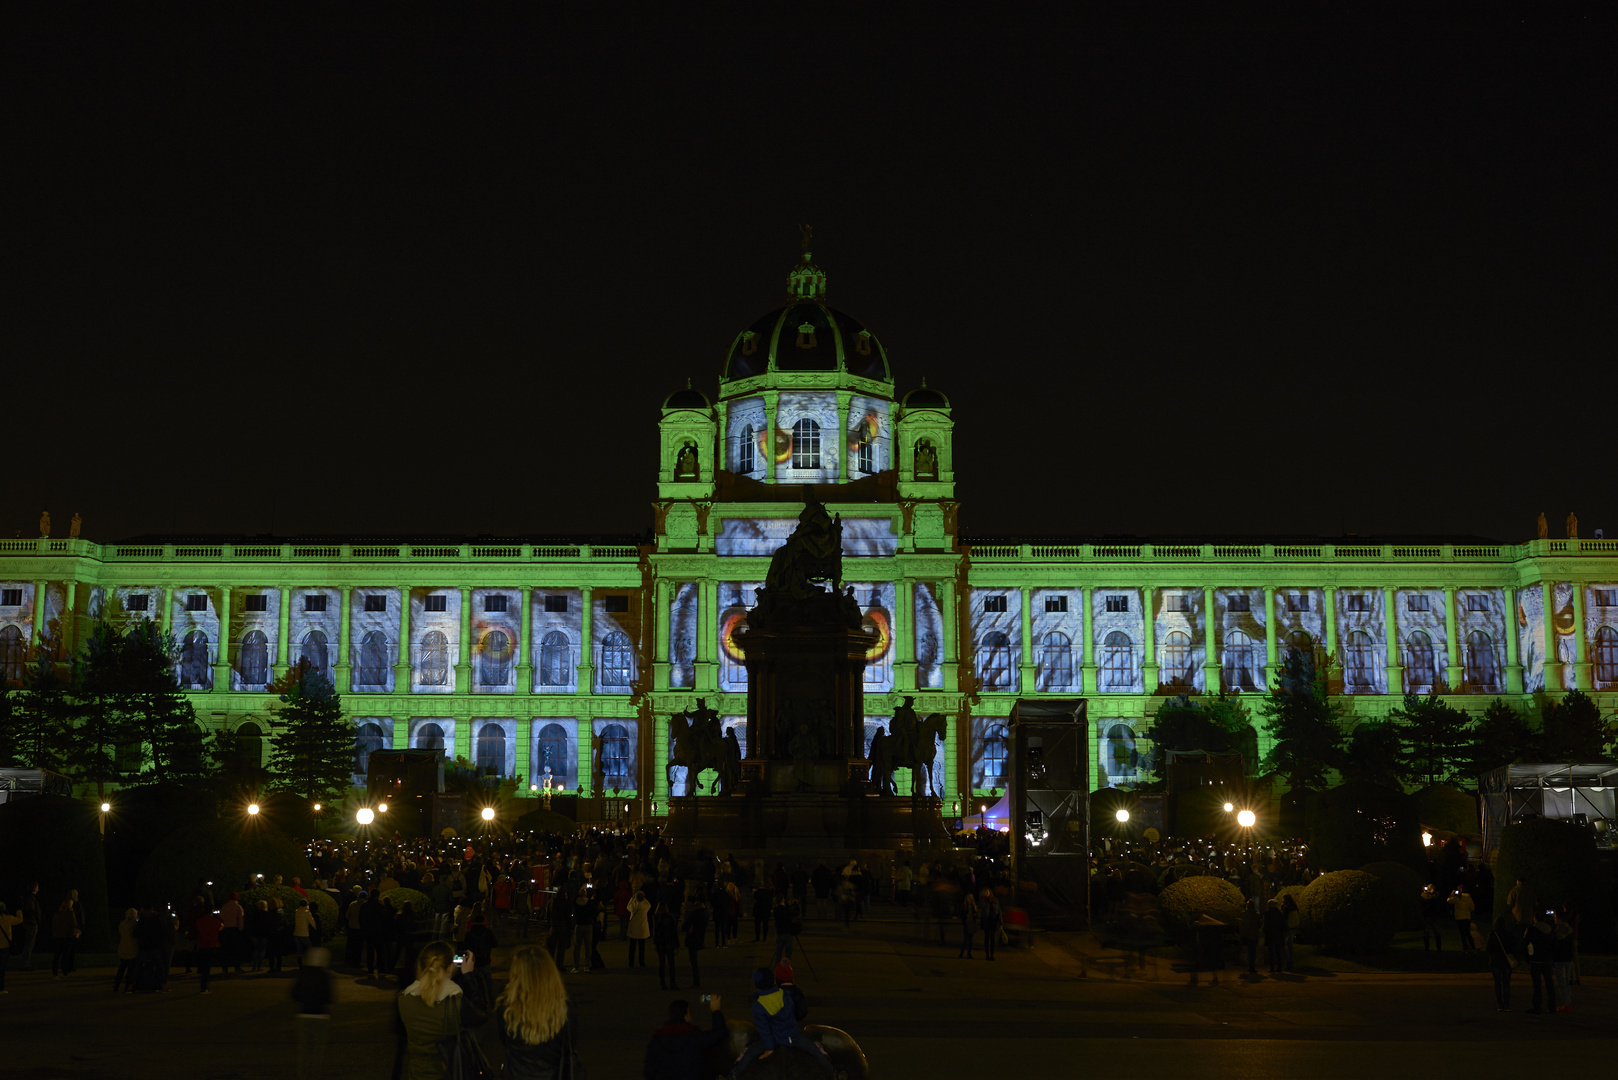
(997, 816)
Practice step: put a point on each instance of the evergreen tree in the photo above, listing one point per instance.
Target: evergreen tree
(97, 742)
(1501, 737)
(1304, 723)
(42, 717)
(1435, 736)
(313, 752)
(1571, 730)
(1219, 726)
(162, 715)
(8, 729)
(1376, 755)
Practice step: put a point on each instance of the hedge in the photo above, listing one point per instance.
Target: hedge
(1182, 902)
(1559, 860)
(230, 852)
(324, 906)
(420, 903)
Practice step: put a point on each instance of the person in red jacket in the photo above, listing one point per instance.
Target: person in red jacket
(208, 925)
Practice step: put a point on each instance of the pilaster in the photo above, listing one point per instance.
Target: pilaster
(706, 676)
(340, 671)
(844, 471)
(1390, 620)
(1455, 671)
(904, 645)
(771, 400)
(463, 655)
(1581, 659)
(587, 683)
(463, 741)
(166, 594)
(1553, 652)
(1026, 683)
(221, 667)
(1331, 620)
(662, 649)
(586, 746)
(1148, 667)
(1211, 671)
(1513, 659)
(39, 613)
(952, 632)
(1271, 655)
(525, 648)
(1092, 682)
(401, 733)
(70, 619)
(283, 632)
(524, 757)
(403, 678)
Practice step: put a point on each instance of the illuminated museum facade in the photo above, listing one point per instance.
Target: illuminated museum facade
(526, 655)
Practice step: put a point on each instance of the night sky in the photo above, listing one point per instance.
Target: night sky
(1300, 275)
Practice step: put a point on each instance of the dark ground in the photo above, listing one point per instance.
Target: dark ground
(1062, 1008)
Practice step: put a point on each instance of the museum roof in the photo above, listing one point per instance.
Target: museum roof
(385, 540)
(1343, 540)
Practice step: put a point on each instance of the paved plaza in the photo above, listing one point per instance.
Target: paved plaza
(1062, 1008)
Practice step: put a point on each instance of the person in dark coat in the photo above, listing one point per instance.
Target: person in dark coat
(763, 901)
(666, 940)
(695, 927)
(1536, 944)
(678, 1051)
(1501, 947)
(1275, 935)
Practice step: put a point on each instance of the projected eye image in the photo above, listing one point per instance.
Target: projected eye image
(868, 436)
(862, 537)
(735, 597)
(876, 621)
(876, 600)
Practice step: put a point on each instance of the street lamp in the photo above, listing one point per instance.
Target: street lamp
(381, 807)
(364, 815)
(1229, 807)
(488, 813)
(105, 807)
(1246, 819)
(1123, 816)
(252, 809)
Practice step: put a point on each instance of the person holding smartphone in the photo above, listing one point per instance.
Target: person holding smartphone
(438, 1014)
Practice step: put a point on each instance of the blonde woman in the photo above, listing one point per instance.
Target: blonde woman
(535, 1026)
(443, 1003)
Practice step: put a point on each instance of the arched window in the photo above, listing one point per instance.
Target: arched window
(494, 659)
(1606, 655)
(367, 737)
(1117, 662)
(1419, 664)
(1055, 660)
(996, 661)
(194, 669)
(1238, 662)
(617, 660)
(994, 756)
(1359, 668)
(1482, 673)
(247, 748)
(744, 450)
(554, 660)
(315, 653)
(492, 750)
(865, 457)
(254, 663)
(1123, 760)
(552, 755)
(429, 737)
(12, 654)
(615, 757)
(1300, 644)
(434, 659)
(806, 445)
(1174, 661)
(372, 670)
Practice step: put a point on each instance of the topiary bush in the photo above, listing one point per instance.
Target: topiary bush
(324, 906)
(1363, 823)
(227, 851)
(1409, 884)
(419, 901)
(1353, 910)
(1558, 859)
(56, 841)
(1182, 902)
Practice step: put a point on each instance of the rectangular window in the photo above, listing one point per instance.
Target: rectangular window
(1298, 602)
(134, 602)
(615, 602)
(494, 603)
(1604, 598)
(196, 602)
(314, 602)
(1173, 601)
(438, 602)
(555, 603)
(1241, 603)
(376, 603)
(257, 602)
(1475, 602)
(1056, 603)
(1357, 601)
(994, 603)
(1416, 602)
(10, 597)
(1117, 603)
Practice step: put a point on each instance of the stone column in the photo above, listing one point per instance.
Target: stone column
(524, 756)
(771, 397)
(1390, 620)
(1271, 654)
(525, 648)
(401, 733)
(586, 744)
(221, 667)
(904, 644)
(1455, 673)
(463, 656)
(283, 632)
(39, 612)
(165, 595)
(1331, 620)
(463, 741)
(1212, 673)
(1581, 657)
(1091, 682)
(1553, 652)
(587, 683)
(705, 674)
(662, 647)
(70, 618)
(404, 679)
(344, 660)
(1513, 660)
(1025, 656)
(844, 470)
(1148, 667)
(952, 649)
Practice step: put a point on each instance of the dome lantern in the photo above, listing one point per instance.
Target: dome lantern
(807, 282)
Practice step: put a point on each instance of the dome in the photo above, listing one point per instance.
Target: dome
(923, 398)
(688, 399)
(807, 337)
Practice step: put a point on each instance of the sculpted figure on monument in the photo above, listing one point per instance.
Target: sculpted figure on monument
(698, 743)
(814, 552)
(804, 747)
(882, 762)
(730, 764)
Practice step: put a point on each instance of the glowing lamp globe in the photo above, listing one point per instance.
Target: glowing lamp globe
(381, 807)
(488, 813)
(364, 815)
(105, 807)
(1122, 816)
(1229, 807)
(1246, 818)
(252, 808)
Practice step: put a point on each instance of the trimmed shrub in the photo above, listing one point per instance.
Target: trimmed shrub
(324, 906)
(1353, 910)
(1179, 872)
(1449, 809)
(1409, 884)
(1138, 878)
(547, 821)
(227, 852)
(1362, 823)
(420, 903)
(1182, 902)
(1559, 860)
(56, 841)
